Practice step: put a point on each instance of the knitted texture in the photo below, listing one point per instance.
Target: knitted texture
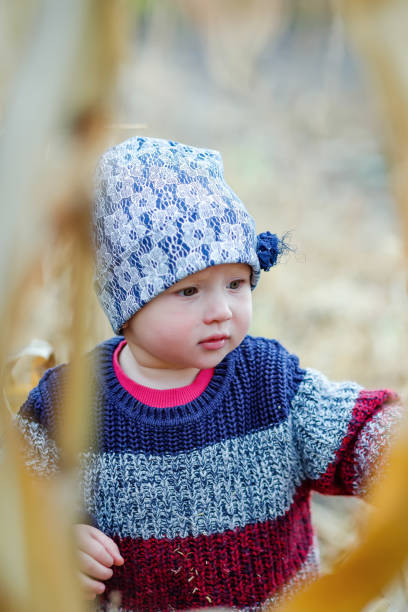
(163, 211)
(160, 397)
(209, 502)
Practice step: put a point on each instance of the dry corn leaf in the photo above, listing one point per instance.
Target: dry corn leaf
(24, 370)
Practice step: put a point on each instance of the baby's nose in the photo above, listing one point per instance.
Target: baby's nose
(217, 309)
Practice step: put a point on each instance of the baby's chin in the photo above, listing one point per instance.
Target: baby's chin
(210, 359)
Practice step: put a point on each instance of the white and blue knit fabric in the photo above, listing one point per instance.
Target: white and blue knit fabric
(163, 211)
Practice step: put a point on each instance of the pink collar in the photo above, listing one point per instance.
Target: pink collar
(161, 398)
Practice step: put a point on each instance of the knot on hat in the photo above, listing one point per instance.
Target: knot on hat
(269, 248)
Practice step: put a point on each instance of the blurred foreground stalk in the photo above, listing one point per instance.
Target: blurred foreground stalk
(51, 135)
(383, 548)
(378, 29)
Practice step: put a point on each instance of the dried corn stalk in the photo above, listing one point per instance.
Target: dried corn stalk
(51, 134)
(378, 28)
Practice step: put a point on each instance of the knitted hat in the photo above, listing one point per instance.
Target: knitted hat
(163, 211)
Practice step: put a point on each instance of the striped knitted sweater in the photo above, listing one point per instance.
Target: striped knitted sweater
(209, 502)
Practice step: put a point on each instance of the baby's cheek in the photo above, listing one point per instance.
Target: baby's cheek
(245, 317)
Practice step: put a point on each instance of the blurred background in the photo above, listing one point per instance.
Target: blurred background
(278, 88)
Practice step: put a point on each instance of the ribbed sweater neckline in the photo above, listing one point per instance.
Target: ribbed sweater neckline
(161, 398)
(122, 400)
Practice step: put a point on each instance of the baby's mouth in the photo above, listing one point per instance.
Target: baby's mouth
(214, 342)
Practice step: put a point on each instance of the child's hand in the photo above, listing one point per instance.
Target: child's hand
(97, 554)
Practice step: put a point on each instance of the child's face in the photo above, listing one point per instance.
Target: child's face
(194, 323)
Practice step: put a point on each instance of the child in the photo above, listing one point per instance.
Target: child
(208, 442)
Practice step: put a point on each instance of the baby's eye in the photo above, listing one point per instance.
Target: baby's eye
(188, 291)
(235, 284)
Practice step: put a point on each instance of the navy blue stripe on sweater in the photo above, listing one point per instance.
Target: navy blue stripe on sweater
(251, 390)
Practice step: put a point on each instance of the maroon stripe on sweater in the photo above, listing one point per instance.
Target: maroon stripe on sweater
(239, 567)
(340, 476)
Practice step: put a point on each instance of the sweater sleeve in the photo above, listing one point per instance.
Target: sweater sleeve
(342, 432)
(33, 421)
